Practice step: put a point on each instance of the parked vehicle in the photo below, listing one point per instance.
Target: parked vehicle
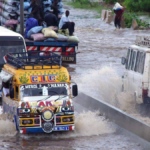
(136, 79)
(10, 42)
(40, 93)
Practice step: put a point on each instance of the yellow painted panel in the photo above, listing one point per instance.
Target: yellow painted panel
(38, 76)
(26, 119)
(67, 117)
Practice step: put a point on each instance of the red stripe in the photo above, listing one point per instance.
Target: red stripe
(54, 49)
(33, 48)
(71, 50)
(49, 49)
(41, 48)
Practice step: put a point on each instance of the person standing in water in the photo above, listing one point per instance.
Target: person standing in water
(118, 10)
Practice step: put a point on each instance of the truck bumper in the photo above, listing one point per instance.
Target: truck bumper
(26, 130)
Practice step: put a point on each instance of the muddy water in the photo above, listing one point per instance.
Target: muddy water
(96, 132)
(97, 72)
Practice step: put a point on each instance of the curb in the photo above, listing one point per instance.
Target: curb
(115, 115)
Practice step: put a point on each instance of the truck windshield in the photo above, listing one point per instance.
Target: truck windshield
(43, 90)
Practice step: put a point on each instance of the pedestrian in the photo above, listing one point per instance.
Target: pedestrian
(65, 23)
(36, 13)
(118, 10)
(51, 19)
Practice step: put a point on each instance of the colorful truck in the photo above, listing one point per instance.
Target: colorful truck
(40, 93)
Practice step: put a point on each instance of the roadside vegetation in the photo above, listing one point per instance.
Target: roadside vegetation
(133, 8)
(86, 4)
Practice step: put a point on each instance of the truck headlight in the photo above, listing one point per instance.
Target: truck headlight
(47, 115)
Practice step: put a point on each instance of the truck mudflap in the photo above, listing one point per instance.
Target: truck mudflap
(40, 130)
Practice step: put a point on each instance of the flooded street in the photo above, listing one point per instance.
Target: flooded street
(92, 132)
(98, 73)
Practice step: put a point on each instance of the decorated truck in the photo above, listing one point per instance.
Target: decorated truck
(40, 92)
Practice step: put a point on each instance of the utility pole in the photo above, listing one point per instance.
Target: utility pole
(22, 17)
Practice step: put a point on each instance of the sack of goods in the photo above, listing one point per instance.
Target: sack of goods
(117, 6)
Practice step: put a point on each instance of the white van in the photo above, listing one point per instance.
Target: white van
(136, 79)
(10, 42)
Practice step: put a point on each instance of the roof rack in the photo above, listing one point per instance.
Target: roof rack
(34, 58)
(143, 41)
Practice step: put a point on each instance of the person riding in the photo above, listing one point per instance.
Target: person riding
(65, 23)
(51, 19)
(55, 8)
(35, 13)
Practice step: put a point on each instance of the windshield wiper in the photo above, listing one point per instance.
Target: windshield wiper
(61, 97)
(49, 96)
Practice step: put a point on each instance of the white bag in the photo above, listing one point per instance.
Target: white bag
(117, 6)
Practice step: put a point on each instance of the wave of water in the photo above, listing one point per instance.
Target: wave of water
(7, 128)
(106, 84)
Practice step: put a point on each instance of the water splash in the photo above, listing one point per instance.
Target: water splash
(106, 85)
(7, 128)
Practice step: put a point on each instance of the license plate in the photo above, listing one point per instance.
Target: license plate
(61, 128)
(68, 58)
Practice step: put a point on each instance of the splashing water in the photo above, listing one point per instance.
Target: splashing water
(90, 123)
(106, 85)
(7, 128)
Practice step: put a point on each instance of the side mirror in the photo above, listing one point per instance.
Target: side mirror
(74, 90)
(123, 60)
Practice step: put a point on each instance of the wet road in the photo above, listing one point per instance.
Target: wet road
(93, 132)
(97, 73)
(98, 70)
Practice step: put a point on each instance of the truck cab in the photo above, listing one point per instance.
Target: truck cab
(136, 79)
(40, 93)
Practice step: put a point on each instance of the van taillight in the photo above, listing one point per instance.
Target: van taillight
(144, 94)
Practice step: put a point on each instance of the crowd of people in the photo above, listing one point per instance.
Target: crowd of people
(51, 18)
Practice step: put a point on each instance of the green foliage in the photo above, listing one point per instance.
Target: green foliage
(130, 16)
(137, 5)
(89, 5)
(113, 1)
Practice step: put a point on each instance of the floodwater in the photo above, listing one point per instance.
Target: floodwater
(97, 72)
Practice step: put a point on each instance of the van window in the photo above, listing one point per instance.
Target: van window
(140, 60)
(137, 62)
(133, 60)
(130, 59)
(127, 61)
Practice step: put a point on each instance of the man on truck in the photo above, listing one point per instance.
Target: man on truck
(65, 23)
(51, 19)
(35, 13)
